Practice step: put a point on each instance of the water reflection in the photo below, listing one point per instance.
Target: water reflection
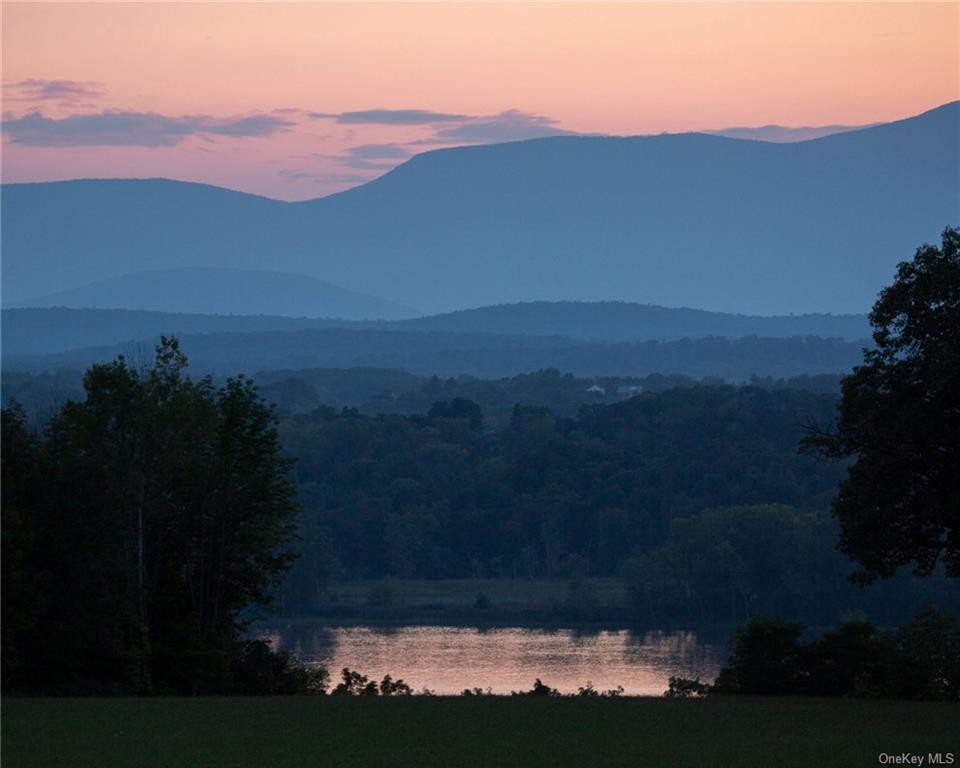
(449, 659)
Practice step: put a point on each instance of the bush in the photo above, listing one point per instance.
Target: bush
(854, 660)
(391, 687)
(354, 684)
(539, 689)
(258, 670)
(684, 688)
(919, 661)
(765, 659)
(929, 647)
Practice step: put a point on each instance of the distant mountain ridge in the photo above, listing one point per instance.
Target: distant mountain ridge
(783, 133)
(479, 354)
(209, 290)
(53, 330)
(676, 220)
(618, 321)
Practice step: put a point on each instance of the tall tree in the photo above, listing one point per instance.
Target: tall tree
(899, 421)
(164, 512)
(22, 592)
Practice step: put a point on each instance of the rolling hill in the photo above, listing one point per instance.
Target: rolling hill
(226, 292)
(49, 330)
(678, 220)
(615, 321)
(488, 355)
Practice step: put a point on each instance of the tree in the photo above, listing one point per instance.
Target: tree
(22, 585)
(899, 421)
(765, 659)
(161, 512)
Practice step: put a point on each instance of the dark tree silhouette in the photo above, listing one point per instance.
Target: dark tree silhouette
(899, 418)
(147, 519)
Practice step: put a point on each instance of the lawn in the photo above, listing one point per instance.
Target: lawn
(454, 601)
(452, 732)
(463, 592)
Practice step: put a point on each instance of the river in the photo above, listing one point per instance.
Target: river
(448, 659)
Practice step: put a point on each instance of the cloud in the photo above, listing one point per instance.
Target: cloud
(778, 134)
(323, 178)
(392, 117)
(379, 152)
(511, 125)
(374, 157)
(54, 90)
(132, 129)
(454, 128)
(254, 125)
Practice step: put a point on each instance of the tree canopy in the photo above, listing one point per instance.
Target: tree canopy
(899, 418)
(147, 519)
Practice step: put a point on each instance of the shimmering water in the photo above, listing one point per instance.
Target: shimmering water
(449, 659)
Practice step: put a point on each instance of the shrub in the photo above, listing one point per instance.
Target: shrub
(258, 670)
(684, 688)
(765, 659)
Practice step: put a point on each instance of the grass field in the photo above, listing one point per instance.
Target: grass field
(452, 732)
(516, 593)
(452, 601)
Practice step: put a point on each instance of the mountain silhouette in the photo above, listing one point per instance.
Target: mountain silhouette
(676, 220)
(32, 331)
(225, 291)
(614, 321)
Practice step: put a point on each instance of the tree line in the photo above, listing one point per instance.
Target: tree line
(435, 495)
(146, 524)
(141, 530)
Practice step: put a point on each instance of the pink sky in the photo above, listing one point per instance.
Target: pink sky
(300, 100)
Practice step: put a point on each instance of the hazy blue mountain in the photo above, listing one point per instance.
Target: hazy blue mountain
(622, 321)
(225, 291)
(42, 331)
(36, 331)
(391, 390)
(782, 133)
(676, 220)
(479, 354)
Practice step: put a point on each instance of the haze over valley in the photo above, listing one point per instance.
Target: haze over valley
(687, 220)
(388, 383)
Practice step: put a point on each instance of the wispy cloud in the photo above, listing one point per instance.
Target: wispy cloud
(778, 134)
(391, 117)
(141, 129)
(512, 125)
(439, 129)
(53, 90)
(374, 157)
(379, 152)
(321, 177)
(254, 125)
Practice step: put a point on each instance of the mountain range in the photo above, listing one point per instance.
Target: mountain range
(209, 290)
(782, 133)
(607, 338)
(679, 220)
(38, 331)
(437, 353)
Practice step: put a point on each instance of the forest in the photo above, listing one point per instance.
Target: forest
(149, 522)
(697, 496)
(435, 495)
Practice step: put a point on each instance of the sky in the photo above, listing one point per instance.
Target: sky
(300, 100)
